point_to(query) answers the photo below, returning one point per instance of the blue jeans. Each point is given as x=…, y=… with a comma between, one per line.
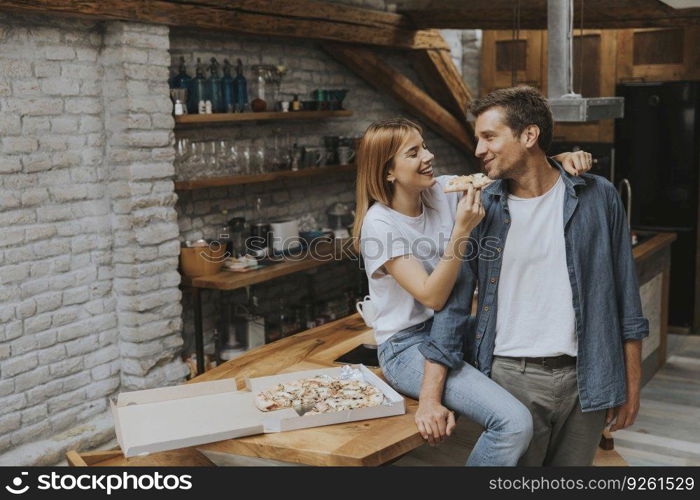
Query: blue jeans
x=507, y=422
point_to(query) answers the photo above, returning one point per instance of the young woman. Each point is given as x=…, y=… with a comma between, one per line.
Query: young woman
x=412, y=238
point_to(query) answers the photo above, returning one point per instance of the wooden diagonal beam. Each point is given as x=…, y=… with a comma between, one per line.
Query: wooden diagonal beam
x=437, y=71
x=378, y=74
x=204, y=15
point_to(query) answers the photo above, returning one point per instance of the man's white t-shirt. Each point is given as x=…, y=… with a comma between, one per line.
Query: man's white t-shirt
x=387, y=234
x=535, y=313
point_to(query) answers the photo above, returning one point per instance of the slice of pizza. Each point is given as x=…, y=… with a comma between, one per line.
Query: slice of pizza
x=461, y=182
x=266, y=402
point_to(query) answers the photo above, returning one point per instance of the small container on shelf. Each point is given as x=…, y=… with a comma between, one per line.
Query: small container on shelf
x=227, y=88
x=202, y=260
x=182, y=79
x=197, y=89
x=214, y=88
x=296, y=103
x=259, y=101
x=240, y=89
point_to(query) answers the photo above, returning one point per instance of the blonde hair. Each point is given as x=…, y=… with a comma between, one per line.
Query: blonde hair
x=375, y=154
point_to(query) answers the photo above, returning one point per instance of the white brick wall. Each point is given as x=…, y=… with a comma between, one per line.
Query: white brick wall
x=139, y=155
x=55, y=230
x=85, y=147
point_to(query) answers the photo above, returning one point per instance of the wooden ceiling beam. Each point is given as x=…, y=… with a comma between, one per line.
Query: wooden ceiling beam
x=254, y=17
x=367, y=65
x=311, y=9
x=499, y=14
x=438, y=72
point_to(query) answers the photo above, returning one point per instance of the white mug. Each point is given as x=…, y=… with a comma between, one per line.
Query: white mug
x=367, y=311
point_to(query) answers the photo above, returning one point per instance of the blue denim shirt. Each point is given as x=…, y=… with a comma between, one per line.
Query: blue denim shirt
x=604, y=287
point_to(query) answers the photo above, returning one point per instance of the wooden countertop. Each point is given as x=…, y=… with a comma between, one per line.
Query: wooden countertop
x=649, y=247
x=321, y=254
x=364, y=443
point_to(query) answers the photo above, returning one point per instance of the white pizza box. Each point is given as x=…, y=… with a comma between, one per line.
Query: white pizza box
x=287, y=419
x=168, y=418
x=187, y=415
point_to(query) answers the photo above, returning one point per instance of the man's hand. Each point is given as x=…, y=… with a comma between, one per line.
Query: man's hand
x=434, y=421
x=576, y=163
x=625, y=415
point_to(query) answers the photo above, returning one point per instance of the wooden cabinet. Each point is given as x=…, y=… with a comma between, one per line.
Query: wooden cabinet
x=605, y=58
x=658, y=54
x=505, y=61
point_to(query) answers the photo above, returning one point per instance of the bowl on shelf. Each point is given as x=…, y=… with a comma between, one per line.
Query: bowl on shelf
x=336, y=98
x=202, y=261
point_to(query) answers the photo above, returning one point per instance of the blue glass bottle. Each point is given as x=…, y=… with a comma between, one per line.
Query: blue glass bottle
x=182, y=79
x=227, y=88
x=240, y=89
x=198, y=89
x=214, y=87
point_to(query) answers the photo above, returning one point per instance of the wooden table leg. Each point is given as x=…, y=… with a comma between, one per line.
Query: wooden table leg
x=198, y=329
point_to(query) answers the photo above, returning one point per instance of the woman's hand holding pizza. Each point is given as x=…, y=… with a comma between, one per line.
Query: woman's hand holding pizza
x=470, y=210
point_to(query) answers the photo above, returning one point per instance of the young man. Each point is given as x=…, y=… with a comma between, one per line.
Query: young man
x=559, y=321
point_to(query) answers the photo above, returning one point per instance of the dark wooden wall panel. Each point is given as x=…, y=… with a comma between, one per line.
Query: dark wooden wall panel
x=659, y=47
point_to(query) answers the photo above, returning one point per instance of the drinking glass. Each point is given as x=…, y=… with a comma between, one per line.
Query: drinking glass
x=211, y=159
x=222, y=153
x=244, y=158
x=182, y=152
x=196, y=158
x=232, y=158
x=257, y=158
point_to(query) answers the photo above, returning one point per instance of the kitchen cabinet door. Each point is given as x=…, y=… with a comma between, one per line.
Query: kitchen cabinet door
x=505, y=61
x=654, y=54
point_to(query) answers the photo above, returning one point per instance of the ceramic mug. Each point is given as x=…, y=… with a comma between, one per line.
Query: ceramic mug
x=367, y=311
x=313, y=156
x=345, y=155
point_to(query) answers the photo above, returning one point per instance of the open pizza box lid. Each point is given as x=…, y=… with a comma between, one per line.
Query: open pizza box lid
x=168, y=418
x=187, y=415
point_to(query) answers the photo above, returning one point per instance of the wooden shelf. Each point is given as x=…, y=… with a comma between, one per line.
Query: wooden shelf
x=234, y=180
x=213, y=118
x=230, y=280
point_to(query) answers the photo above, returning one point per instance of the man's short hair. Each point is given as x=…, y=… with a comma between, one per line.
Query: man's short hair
x=523, y=106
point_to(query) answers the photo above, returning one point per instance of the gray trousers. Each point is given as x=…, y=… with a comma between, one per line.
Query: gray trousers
x=563, y=434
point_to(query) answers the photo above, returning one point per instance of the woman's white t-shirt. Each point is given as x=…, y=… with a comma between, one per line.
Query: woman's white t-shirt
x=387, y=234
